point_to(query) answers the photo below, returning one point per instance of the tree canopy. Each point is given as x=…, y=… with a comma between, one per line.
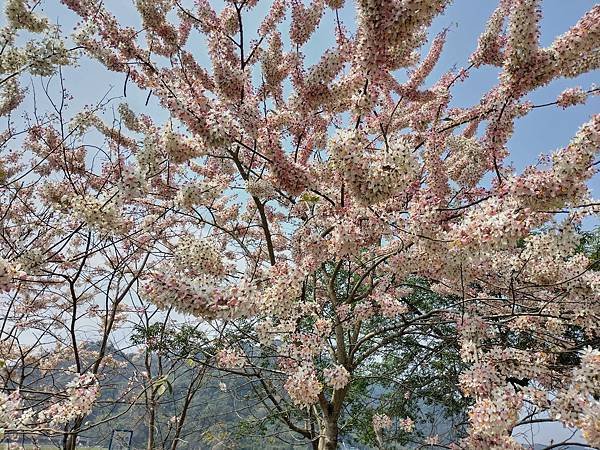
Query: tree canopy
x=332, y=238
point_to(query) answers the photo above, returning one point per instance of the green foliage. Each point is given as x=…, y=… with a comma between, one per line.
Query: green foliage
x=589, y=245
x=183, y=341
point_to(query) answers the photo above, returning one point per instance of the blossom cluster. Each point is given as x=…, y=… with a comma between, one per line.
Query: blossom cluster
x=176, y=147
x=194, y=297
x=8, y=273
x=82, y=392
x=389, y=31
x=373, y=177
x=230, y=359
x=12, y=413
x=491, y=41
x=200, y=193
x=337, y=377
x=101, y=215
x=19, y=15
x=571, y=97
x=198, y=256
x=407, y=424
x=381, y=422
x=303, y=386
x=467, y=162
x=11, y=97
x=390, y=306
x=577, y=404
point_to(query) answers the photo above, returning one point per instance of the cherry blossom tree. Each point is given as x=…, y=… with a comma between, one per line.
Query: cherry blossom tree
x=301, y=209
x=169, y=354
x=69, y=264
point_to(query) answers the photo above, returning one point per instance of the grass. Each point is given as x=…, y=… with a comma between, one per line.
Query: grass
x=51, y=447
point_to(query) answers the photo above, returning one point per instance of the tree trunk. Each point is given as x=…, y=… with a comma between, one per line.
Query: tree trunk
x=181, y=420
x=329, y=435
x=70, y=443
x=151, y=424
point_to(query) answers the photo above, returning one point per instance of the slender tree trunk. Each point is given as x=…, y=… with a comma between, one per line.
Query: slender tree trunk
x=65, y=437
x=191, y=392
x=151, y=423
x=150, y=402
x=181, y=420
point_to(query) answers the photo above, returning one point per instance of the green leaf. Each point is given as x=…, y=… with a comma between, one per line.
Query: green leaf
x=162, y=384
x=310, y=198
